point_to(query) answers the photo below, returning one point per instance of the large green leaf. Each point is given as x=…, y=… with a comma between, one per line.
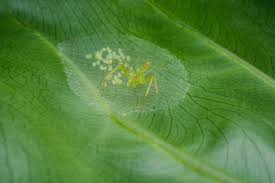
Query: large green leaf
x=212, y=121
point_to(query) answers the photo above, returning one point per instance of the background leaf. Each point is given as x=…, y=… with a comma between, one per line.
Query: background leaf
x=246, y=28
x=213, y=120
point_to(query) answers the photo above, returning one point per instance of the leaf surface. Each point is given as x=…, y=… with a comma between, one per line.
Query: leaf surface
x=212, y=120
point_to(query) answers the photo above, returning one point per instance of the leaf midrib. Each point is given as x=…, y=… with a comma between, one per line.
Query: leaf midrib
x=184, y=158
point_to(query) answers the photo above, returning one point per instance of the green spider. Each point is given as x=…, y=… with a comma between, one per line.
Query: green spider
x=135, y=77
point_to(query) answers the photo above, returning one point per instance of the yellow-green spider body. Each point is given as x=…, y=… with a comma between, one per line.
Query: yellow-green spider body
x=135, y=77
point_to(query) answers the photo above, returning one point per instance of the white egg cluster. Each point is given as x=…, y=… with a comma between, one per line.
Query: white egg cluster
x=107, y=60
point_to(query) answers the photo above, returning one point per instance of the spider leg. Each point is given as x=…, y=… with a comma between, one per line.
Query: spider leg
x=109, y=75
x=149, y=86
x=156, y=85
